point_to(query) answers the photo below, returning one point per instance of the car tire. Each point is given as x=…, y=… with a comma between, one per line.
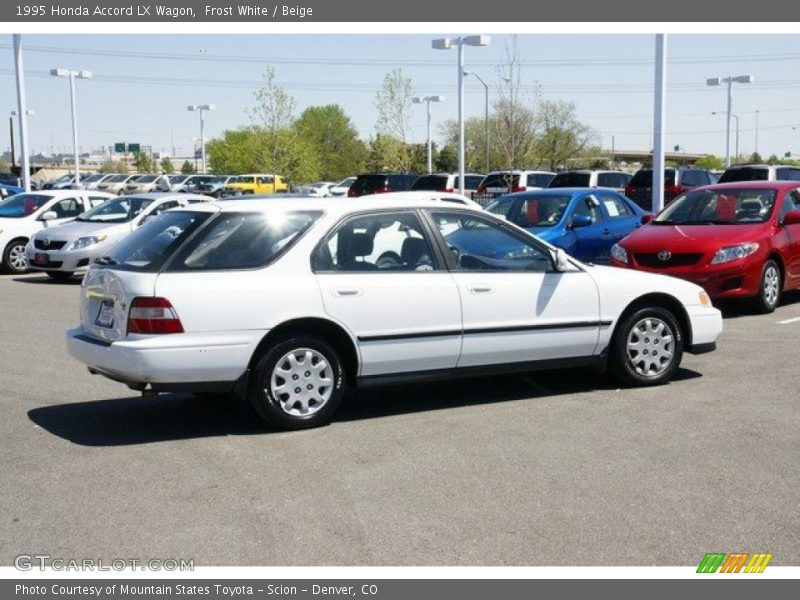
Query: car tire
x=14, y=260
x=647, y=347
x=290, y=387
x=59, y=275
x=769, y=288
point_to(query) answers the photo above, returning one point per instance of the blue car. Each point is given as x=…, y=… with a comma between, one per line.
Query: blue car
x=585, y=222
x=9, y=190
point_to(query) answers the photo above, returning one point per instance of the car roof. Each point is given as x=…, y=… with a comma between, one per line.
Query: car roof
x=166, y=196
x=336, y=205
x=570, y=191
x=751, y=185
x=518, y=172
x=58, y=193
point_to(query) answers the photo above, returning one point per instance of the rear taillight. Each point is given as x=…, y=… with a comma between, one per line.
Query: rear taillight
x=519, y=188
x=630, y=190
x=449, y=190
x=382, y=190
x=351, y=193
x=153, y=315
x=674, y=190
x=481, y=189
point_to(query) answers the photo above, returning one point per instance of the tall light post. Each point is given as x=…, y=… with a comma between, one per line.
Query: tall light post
x=485, y=115
x=659, y=121
x=427, y=100
x=446, y=44
x=71, y=75
x=201, y=108
x=14, y=113
x=717, y=81
x=735, y=116
x=755, y=150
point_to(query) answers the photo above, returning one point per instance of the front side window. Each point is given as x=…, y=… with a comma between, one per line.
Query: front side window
x=616, y=207
x=379, y=242
x=242, y=240
x=588, y=207
x=539, y=211
x=67, y=208
x=479, y=244
x=791, y=201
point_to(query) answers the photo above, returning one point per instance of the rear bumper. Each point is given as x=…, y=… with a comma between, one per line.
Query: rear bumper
x=187, y=361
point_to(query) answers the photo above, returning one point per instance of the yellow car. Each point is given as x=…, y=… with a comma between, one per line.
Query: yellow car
x=255, y=183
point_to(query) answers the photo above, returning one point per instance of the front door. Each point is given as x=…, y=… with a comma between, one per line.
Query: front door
x=516, y=307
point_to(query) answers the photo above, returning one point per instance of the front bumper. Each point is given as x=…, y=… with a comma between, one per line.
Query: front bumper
x=168, y=362
x=706, y=324
x=60, y=260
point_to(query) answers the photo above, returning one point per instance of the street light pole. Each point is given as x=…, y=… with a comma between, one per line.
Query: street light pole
x=427, y=100
x=659, y=110
x=735, y=116
x=202, y=108
x=485, y=116
x=716, y=81
x=446, y=44
x=23, y=113
x=755, y=151
x=72, y=75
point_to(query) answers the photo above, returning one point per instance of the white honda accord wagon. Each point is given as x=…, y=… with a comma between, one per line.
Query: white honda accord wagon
x=291, y=301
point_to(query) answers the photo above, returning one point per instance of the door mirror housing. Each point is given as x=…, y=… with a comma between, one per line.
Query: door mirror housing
x=562, y=263
x=50, y=215
x=579, y=221
x=791, y=218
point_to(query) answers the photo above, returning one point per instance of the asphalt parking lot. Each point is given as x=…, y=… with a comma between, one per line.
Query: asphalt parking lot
x=550, y=469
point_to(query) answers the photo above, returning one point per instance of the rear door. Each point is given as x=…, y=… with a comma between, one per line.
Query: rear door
x=591, y=241
x=791, y=251
x=378, y=274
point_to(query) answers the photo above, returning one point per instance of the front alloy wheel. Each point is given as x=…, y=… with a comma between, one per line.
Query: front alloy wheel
x=769, y=292
x=298, y=383
x=14, y=259
x=647, y=347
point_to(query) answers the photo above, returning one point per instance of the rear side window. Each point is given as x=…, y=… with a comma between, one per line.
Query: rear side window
x=243, y=241
x=147, y=248
x=434, y=183
x=541, y=180
x=500, y=180
x=367, y=184
x=745, y=174
x=570, y=180
x=788, y=174
x=693, y=178
x=471, y=182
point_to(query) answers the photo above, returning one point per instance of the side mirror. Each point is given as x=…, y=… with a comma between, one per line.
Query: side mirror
x=579, y=221
x=791, y=218
x=646, y=219
x=50, y=215
x=562, y=261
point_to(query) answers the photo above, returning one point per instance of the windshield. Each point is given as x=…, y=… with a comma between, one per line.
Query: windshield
x=176, y=179
x=723, y=207
x=433, y=183
x=146, y=178
x=531, y=211
x=92, y=178
x=22, y=205
x=116, y=179
x=120, y=210
x=644, y=178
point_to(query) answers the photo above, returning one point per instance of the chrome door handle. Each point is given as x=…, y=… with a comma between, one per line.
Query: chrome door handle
x=346, y=292
x=480, y=289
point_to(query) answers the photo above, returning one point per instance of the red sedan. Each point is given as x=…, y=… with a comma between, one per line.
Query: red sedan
x=736, y=240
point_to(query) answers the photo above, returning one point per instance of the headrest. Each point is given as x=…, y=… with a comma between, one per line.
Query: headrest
x=360, y=244
x=413, y=249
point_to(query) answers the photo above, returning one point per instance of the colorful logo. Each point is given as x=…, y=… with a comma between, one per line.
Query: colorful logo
x=734, y=562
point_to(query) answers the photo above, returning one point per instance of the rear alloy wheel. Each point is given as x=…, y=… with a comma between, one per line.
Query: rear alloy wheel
x=298, y=383
x=647, y=347
x=769, y=290
x=14, y=260
x=59, y=275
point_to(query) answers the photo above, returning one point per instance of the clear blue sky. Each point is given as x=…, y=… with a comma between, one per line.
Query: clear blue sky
x=136, y=97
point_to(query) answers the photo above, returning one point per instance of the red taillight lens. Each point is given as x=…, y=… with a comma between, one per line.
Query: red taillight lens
x=153, y=315
x=519, y=188
x=482, y=189
x=351, y=193
x=382, y=190
x=449, y=190
x=630, y=190
x=674, y=190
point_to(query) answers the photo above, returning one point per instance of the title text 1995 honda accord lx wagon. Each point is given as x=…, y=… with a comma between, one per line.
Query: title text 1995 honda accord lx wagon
x=289, y=301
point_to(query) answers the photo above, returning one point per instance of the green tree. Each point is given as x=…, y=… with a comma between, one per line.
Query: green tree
x=187, y=168
x=383, y=153
x=113, y=166
x=393, y=103
x=446, y=159
x=166, y=165
x=4, y=166
x=755, y=158
x=562, y=136
x=143, y=162
x=339, y=150
x=710, y=162
x=475, y=144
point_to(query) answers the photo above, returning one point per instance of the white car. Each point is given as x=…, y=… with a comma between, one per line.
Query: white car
x=117, y=183
x=341, y=188
x=23, y=215
x=148, y=183
x=275, y=299
x=498, y=183
x=90, y=182
x=60, y=251
x=318, y=189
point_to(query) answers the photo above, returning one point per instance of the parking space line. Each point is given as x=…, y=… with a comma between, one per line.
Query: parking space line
x=787, y=321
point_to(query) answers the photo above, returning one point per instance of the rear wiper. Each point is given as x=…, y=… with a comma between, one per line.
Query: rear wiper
x=106, y=260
